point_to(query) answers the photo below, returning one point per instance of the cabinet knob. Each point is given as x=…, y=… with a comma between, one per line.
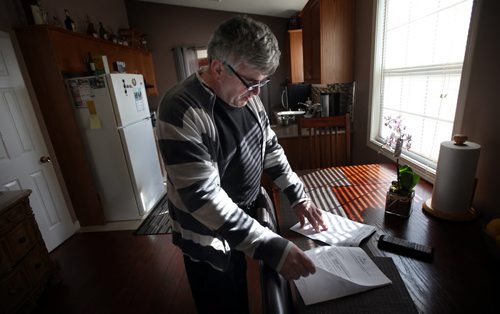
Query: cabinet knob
x=45, y=159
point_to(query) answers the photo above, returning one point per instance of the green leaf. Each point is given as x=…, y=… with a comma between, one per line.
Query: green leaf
x=407, y=178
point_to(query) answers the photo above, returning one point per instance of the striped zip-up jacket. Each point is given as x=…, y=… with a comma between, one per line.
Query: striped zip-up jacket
x=206, y=223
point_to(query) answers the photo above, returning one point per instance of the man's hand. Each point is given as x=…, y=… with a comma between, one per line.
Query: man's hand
x=309, y=210
x=297, y=264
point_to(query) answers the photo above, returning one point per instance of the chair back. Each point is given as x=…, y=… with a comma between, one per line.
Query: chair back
x=325, y=141
x=277, y=297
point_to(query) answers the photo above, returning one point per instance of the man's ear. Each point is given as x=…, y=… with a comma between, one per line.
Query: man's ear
x=216, y=68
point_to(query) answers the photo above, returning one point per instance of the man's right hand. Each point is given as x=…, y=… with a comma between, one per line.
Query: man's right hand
x=297, y=265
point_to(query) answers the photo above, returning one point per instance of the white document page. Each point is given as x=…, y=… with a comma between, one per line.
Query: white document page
x=340, y=271
x=341, y=231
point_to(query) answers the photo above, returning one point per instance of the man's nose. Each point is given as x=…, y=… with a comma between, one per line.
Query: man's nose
x=255, y=90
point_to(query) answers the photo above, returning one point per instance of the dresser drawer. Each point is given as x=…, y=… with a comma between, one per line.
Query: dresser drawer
x=37, y=265
x=21, y=239
x=5, y=261
x=25, y=265
x=13, y=289
x=12, y=217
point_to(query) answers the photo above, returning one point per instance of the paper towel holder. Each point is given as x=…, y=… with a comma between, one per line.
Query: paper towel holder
x=460, y=139
x=470, y=214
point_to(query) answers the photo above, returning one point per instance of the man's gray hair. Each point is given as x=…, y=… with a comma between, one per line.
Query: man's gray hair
x=242, y=39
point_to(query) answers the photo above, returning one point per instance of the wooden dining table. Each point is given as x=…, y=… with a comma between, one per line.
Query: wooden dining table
x=464, y=275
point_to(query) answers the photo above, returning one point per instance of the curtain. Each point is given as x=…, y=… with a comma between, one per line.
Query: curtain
x=186, y=61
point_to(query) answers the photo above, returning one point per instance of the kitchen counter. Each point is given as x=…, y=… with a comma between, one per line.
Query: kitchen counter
x=285, y=131
x=288, y=138
x=291, y=131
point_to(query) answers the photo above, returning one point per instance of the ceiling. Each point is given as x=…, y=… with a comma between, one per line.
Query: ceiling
x=278, y=8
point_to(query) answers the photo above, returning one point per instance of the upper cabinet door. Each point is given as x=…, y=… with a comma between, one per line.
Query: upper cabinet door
x=311, y=41
x=296, y=56
x=328, y=41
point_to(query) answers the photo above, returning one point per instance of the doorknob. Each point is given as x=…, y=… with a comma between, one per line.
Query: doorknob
x=45, y=159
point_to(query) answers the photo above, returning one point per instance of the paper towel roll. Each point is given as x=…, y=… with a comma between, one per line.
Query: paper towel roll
x=455, y=178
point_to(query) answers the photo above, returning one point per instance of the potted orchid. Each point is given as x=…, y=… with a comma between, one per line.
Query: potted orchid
x=401, y=192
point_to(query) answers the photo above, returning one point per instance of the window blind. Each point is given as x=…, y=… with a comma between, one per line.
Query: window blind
x=420, y=48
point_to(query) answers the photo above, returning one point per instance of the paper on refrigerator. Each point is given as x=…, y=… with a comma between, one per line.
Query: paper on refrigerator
x=341, y=231
x=340, y=271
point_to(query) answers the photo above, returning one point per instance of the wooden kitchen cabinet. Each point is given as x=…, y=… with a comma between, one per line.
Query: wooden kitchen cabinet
x=25, y=266
x=328, y=41
x=296, y=151
x=295, y=55
x=70, y=50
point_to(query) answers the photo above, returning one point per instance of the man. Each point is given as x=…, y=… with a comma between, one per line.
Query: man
x=216, y=141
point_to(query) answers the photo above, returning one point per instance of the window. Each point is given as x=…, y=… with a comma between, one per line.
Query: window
x=201, y=54
x=419, y=53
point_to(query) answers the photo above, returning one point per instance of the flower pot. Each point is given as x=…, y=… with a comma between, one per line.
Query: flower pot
x=397, y=204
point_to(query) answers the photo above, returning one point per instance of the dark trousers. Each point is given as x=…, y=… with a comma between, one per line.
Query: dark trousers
x=219, y=292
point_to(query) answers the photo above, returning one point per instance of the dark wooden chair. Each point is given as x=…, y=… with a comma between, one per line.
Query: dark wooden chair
x=325, y=141
x=277, y=298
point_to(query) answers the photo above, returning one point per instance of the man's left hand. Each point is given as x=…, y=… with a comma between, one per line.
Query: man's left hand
x=309, y=210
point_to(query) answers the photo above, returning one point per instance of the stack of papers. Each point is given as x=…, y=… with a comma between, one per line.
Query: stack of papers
x=343, y=268
x=340, y=271
x=341, y=231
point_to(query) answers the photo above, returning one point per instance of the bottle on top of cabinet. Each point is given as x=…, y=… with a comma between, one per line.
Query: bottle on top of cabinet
x=68, y=22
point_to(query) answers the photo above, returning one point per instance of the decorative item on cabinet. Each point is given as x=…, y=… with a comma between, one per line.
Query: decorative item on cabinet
x=68, y=22
x=91, y=64
x=34, y=12
x=101, y=64
x=56, y=21
x=134, y=38
x=25, y=266
x=91, y=31
x=120, y=67
x=39, y=14
x=103, y=33
x=294, y=22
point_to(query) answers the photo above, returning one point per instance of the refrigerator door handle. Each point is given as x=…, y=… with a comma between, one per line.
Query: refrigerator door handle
x=135, y=122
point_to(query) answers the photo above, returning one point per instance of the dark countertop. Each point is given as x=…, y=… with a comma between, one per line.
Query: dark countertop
x=9, y=199
x=285, y=131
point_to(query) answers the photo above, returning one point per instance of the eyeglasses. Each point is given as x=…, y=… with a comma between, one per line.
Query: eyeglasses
x=250, y=86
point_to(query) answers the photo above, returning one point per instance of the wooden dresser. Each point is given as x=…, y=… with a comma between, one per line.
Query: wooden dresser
x=25, y=266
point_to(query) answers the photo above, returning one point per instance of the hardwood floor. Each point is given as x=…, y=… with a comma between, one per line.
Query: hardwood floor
x=119, y=272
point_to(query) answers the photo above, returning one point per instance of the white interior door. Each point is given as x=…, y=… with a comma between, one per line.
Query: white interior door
x=24, y=158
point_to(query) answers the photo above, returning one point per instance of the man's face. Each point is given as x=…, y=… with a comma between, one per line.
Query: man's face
x=239, y=84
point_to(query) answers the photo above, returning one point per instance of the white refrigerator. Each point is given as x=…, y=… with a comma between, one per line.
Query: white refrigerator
x=113, y=114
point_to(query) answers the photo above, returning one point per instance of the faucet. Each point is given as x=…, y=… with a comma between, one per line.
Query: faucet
x=308, y=104
x=283, y=103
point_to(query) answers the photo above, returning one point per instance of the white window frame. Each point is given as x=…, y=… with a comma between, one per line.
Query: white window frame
x=427, y=170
